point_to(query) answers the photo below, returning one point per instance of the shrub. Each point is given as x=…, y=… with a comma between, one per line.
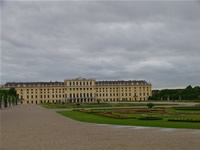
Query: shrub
x=150, y=105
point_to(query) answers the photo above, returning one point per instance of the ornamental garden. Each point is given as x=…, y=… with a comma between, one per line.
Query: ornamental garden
x=130, y=114
x=157, y=117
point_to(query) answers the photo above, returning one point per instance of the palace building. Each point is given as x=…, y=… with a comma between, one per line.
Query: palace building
x=81, y=90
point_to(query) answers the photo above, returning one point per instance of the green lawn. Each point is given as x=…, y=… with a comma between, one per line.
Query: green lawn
x=94, y=117
x=95, y=105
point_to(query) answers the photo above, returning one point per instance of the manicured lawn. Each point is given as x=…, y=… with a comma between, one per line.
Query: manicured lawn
x=93, y=116
x=91, y=105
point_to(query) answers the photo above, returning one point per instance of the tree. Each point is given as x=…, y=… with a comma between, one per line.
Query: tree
x=12, y=91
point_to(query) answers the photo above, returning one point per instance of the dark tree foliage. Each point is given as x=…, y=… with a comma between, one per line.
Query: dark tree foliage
x=189, y=93
x=8, y=94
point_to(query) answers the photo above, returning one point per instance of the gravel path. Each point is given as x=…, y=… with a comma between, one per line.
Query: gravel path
x=31, y=127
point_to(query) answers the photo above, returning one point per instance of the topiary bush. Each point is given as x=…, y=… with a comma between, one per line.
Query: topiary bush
x=150, y=105
x=78, y=104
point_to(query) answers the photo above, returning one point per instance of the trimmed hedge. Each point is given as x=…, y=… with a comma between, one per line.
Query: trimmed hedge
x=150, y=118
x=188, y=108
x=184, y=120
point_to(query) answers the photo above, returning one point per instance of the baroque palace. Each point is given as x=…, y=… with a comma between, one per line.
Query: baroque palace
x=81, y=90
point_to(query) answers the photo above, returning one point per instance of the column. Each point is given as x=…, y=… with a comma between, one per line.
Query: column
x=2, y=102
x=11, y=101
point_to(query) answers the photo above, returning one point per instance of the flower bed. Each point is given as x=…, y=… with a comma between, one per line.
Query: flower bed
x=111, y=115
x=184, y=120
x=138, y=111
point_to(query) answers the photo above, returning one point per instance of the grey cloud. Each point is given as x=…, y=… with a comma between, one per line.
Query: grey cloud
x=155, y=41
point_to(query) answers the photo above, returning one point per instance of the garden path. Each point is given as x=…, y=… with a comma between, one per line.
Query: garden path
x=32, y=127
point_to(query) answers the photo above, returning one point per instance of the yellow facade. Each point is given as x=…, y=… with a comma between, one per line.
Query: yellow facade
x=81, y=90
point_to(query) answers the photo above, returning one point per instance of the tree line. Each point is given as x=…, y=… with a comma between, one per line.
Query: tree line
x=189, y=93
x=8, y=97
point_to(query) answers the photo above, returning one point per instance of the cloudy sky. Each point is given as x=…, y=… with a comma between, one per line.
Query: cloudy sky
x=151, y=40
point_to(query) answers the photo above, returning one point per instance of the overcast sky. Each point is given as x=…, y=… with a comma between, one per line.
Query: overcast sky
x=50, y=41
